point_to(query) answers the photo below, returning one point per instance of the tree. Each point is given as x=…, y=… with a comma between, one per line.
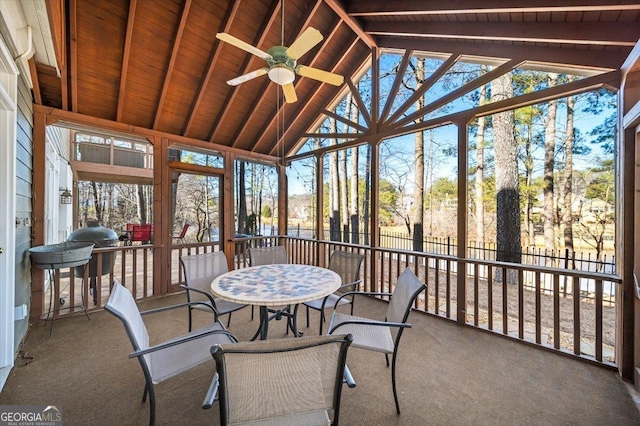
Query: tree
x=418, y=186
x=479, y=180
x=549, y=157
x=567, y=216
x=506, y=172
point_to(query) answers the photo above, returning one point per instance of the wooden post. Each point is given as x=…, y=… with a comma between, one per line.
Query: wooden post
x=228, y=231
x=319, y=204
x=462, y=223
x=375, y=217
x=161, y=217
x=37, y=231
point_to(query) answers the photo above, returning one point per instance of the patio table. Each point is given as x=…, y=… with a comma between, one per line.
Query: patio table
x=275, y=285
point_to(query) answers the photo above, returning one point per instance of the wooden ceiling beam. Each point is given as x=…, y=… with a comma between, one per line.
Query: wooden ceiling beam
x=345, y=120
x=73, y=60
x=312, y=102
x=261, y=35
x=54, y=115
x=37, y=96
x=587, y=33
x=460, y=91
x=213, y=59
x=402, y=68
x=125, y=57
x=352, y=23
x=571, y=58
x=461, y=7
x=263, y=93
x=325, y=44
x=426, y=84
x=333, y=100
x=172, y=61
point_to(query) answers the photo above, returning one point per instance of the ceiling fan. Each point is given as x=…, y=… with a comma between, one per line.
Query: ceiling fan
x=282, y=67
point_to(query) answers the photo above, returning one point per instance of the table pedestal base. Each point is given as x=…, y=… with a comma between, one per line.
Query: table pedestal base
x=292, y=322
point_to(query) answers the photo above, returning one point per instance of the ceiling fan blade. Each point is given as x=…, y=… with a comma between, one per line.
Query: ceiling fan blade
x=309, y=38
x=289, y=93
x=242, y=45
x=320, y=75
x=248, y=76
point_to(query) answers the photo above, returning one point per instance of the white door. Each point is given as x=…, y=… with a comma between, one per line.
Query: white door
x=8, y=92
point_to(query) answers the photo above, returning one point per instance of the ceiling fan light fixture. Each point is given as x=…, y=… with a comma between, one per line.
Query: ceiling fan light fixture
x=281, y=75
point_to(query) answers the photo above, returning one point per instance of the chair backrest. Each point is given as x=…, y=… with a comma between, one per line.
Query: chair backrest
x=142, y=232
x=407, y=289
x=185, y=227
x=201, y=269
x=280, y=377
x=347, y=265
x=268, y=255
x=122, y=304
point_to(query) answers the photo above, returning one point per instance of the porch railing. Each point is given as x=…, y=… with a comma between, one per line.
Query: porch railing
x=564, y=310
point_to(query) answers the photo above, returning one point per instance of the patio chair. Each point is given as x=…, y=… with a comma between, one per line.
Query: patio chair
x=280, y=381
x=347, y=265
x=180, y=237
x=382, y=336
x=164, y=360
x=199, y=271
x=269, y=256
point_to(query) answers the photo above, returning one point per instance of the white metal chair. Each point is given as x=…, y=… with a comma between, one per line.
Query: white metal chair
x=280, y=381
x=164, y=360
x=382, y=336
x=199, y=271
x=347, y=265
x=269, y=256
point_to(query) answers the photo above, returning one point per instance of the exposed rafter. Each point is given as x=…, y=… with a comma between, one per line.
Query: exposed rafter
x=172, y=61
x=245, y=67
x=73, y=60
x=402, y=68
x=466, y=88
x=125, y=58
x=595, y=59
x=323, y=47
x=607, y=33
x=463, y=7
x=228, y=20
x=259, y=102
x=345, y=120
x=316, y=92
x=426, y=84
x=352, y=23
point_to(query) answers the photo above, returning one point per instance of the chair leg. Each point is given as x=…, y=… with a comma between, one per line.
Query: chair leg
x=393, y=383
x=321, y=321
x=190, y=318
x=386, y=357
x=307, y=317
x=152, y=406
x=252, y=312
x=229, y=320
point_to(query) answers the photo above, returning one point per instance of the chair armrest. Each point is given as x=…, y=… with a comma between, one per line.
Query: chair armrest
x=212, y=393
x=186, y=287
x=359, y=293
x=179, y=305
x=181, y=340
x=372, y=322
x=351, y=284
x=348, y=378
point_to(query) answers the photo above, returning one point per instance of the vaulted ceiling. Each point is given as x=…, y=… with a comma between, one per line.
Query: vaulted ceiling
x=157, y=64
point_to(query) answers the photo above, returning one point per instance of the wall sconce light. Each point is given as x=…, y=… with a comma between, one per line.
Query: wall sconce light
x=65, y=196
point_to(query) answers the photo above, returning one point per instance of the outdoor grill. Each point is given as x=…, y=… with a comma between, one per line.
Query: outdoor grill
x=101, y=237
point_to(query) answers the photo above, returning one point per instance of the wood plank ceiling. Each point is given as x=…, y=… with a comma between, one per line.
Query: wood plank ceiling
x=157, y=64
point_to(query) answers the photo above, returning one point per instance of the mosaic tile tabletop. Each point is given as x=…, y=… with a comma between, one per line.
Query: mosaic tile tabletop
x=274, y=285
